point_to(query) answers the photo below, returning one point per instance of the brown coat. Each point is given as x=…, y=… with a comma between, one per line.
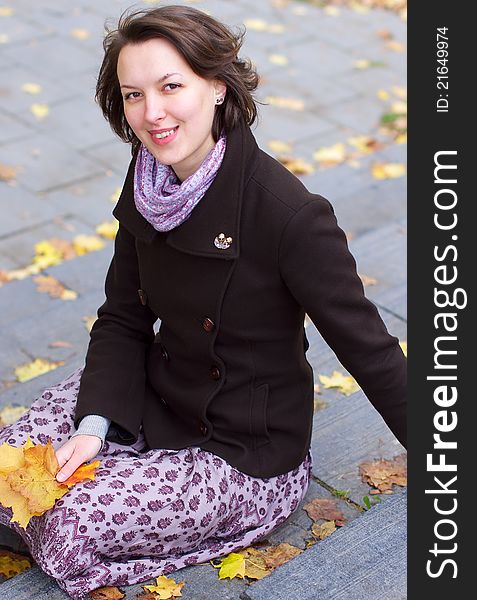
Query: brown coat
x=227, y=370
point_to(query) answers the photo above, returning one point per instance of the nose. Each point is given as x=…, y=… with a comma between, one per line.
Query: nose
x=155, y=108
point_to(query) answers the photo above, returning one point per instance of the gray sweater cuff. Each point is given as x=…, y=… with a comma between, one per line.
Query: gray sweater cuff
x=94, y=425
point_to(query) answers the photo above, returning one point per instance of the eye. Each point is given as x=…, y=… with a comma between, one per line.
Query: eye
x=127, y=96
x=176, y=85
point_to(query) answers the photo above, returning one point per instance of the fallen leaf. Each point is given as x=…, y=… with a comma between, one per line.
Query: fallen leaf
x=396, y=46
x=345, y=384
x=165, y=588
x=399, y=91
x=296, y=165
x=106, y=593
x=365, y=63
x=49, y=285
x=367, y=281
x=35, y=368
x=278, y=59
x=399, y=108
x=278, y=555
x=31, y=88
x=364, y=144
x=331, y=11
x=331, y=155
x=383, y=95
x=28, y=482
x=89, y=321
x=10, y=414
x=232, y=565
x=12, y=564
x=40, y=110
x=326, y=509
x=278, y=146
x=108, y=229
x=403, y=347
x=388, y=170
x=283, y=102
x=87, y=243
x=324, y=530
x=7, y=173
x=60, y=344
x=261, y=25
x=47, y=255
x=6, y=11
x=80, y=34
x=115, y=195
x=384, y=34
x=382, y=474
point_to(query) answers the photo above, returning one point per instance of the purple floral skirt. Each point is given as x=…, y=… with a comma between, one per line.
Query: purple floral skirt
x=148, y=512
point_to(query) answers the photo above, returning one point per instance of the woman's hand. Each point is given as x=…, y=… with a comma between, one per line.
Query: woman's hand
x=76, y=451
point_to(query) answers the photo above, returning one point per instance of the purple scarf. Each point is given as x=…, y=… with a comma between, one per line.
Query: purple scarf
x=159, y=196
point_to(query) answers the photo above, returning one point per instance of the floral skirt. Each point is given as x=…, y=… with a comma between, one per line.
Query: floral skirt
x=148, y=512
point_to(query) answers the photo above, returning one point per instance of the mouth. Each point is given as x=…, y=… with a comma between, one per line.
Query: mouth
x=164, y=136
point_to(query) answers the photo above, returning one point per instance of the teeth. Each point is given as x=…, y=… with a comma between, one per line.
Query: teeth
x=164, y=134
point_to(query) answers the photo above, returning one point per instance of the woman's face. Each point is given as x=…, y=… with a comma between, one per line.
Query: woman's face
x=161, y=94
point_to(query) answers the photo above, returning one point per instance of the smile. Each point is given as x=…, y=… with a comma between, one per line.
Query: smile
x=164, y=137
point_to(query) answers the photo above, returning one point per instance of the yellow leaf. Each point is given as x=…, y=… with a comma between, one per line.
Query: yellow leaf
x=399, y=91
x=7, y=173
x=331, y=11
x=362, y=64
x=401, y=138
x=233, y=565
x=368, y=280
x=331, y=155
x=40, y=110
x=10, y=414
x=80, y=34
x=88, y=322
x=47, y=255
x=403, y=347
x=278, y=59
x=165, y=588
x=388, y=170
x=31, y=88
x=50, y=285
x=37, y=367
x=297, y=165
x=108, y=230
x=364, y=144
x=256, y=24
x=399, y=107
x=12, y=564
x=396, y=46
x=115, y=195
x=383, y=95
x=278, y=146
x=281, y=102
x=87, y=243
x=6, y=11
x=28, y=482
x=324, y=530
x=345, y=384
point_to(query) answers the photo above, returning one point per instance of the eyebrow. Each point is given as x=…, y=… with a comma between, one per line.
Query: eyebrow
x=166, y=76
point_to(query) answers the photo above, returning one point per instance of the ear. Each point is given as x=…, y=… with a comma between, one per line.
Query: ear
x=220, y=88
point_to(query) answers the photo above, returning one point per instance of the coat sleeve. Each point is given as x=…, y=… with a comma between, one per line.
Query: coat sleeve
x=320, y=272
x=113, y=381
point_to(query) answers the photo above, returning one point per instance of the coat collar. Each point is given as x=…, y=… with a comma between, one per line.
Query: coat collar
x=217, y=212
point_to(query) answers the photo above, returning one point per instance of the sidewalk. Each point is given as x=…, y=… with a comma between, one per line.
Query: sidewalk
x=69, y=168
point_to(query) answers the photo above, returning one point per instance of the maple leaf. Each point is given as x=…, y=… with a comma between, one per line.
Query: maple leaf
x=165, y=588
x=324, y=530
x=345, y=384
x=106, y=593
x=296, y=165
x=331, y=155
x=108, y=229
x=233, y=565
x=278, y=555
x=388, y=170
x=12, y=564
x=51, y=286
x=28, y=482
x=291, y=103
x=87, y=243
x=382, y=474
x=326, y=509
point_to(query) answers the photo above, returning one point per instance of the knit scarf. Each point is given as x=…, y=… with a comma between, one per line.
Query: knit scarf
x=161, y=198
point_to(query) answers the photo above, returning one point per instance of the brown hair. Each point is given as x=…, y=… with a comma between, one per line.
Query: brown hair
x=209, y=47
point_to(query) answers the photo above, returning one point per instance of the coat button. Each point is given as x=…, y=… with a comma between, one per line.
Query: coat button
x=164, y=353
x=208, y=324
x=142, y=297
x=215, y=373
x=203, y=428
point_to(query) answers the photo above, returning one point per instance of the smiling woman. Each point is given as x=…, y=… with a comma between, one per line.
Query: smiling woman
x=203, y=428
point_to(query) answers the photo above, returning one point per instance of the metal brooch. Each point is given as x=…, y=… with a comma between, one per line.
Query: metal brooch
x=222, y=242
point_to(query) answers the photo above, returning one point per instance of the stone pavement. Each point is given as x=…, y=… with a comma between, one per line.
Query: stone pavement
x=70, y=165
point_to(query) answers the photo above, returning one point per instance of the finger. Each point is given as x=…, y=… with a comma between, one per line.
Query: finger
x=64, y=454
x=69, y=468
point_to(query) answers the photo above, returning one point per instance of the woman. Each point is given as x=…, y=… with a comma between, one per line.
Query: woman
x=203, y=429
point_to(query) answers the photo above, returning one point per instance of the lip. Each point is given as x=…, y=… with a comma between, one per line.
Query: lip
x=166, y=140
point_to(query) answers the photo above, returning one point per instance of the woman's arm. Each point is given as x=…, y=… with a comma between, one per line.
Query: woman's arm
x=319, y=270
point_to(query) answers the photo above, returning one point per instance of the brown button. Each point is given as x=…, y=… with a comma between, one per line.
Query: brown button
x=203, y=428
x=142, y=297
x=215, y=373
x=208, y=324
x=164, y=353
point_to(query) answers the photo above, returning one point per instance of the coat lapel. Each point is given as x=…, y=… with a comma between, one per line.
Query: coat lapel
x=218, y=212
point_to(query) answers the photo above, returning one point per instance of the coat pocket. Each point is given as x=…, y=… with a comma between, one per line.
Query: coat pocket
x=258, y=415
